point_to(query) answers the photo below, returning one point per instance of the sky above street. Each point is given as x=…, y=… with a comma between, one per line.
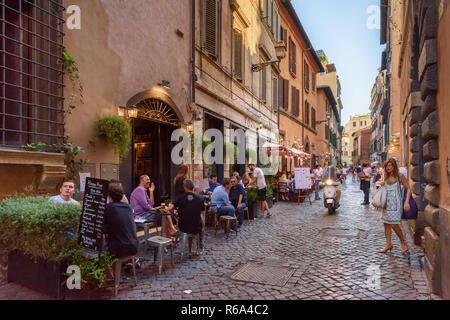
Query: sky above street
x=341, y=29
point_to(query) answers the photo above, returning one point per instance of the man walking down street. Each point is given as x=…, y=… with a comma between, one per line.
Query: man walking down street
x=259, y=179
x=365, y=176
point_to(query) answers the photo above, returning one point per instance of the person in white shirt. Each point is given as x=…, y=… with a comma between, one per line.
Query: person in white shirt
x=66, y=191
x=318, y=174
x=258, y=178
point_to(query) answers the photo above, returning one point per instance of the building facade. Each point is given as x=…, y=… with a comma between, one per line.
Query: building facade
x=207, y=80
x=361, y=146
x=298, y=101
x=356, y=123
x=376, y=129
x=421, y=77
x=329, y=80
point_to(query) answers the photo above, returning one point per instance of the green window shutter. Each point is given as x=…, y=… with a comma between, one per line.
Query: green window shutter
x=211, y=16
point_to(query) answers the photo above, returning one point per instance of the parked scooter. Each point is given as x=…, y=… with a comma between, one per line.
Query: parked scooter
x=330, y=191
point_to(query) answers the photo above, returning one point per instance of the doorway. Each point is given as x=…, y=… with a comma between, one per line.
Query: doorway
x=212, y=122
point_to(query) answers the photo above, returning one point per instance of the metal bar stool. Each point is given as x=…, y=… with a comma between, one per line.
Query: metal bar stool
x=160, y=243
x=189, y=237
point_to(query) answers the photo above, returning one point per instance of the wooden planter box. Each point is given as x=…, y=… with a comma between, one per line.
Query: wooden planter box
x=36, y=273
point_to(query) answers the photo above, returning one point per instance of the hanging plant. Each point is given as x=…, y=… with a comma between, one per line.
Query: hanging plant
x=117, y=133
x=251, y=155
x=71, y=69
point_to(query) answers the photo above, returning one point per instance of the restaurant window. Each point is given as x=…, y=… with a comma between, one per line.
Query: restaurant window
x=31, y=75
x=211, y=27
x=238, y=56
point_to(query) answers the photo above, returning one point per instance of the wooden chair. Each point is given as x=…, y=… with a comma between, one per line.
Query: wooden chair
x=227, y=220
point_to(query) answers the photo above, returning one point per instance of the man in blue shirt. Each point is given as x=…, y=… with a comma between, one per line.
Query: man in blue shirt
x=238, y=198
x=221, y=202
x=212, y=185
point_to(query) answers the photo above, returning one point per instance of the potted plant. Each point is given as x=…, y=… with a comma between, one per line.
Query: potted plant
x=252, y=198
x=41, y=238
x=117, y=133
x=269, y=195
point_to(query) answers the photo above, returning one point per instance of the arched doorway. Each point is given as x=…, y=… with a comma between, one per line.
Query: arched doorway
x=151, y=146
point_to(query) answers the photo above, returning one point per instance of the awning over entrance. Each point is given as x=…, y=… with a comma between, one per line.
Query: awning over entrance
x=268, y=146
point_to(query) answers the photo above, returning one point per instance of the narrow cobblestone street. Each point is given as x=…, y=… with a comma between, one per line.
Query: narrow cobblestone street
x=326, y=256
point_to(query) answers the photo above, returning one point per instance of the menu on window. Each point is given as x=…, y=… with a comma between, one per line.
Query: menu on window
x=93, y=214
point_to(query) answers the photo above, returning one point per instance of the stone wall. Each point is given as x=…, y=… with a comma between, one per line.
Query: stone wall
x=424, y=127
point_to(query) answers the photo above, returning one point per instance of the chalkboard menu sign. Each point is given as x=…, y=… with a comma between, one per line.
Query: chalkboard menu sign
x=93, y=213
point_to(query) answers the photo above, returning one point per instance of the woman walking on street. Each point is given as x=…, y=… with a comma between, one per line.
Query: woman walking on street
x=392, y=214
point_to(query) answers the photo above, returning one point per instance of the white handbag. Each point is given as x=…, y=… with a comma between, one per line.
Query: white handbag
x=379, y=198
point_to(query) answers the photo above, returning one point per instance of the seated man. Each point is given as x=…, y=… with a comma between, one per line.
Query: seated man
x=66, y=191
x=189, y=207
x=142, y=204
x=220, y=201
x=119, y=222
x=238, y=198
x=212, y=185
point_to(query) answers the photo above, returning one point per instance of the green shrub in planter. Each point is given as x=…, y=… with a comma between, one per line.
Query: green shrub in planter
x=36, y=226
x=252, y=195
x=39, y=228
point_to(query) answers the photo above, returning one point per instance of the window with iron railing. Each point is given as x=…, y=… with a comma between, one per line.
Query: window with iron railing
x=31, y=75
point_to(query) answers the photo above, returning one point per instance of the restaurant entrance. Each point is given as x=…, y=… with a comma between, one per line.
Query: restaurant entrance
x=150, y=149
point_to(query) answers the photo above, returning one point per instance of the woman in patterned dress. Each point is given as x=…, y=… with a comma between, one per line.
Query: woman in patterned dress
x=392, y=214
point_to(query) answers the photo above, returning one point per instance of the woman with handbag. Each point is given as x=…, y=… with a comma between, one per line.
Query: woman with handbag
x=391, y=215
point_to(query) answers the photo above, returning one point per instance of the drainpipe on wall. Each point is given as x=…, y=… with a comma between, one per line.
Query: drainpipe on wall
x=193, y=76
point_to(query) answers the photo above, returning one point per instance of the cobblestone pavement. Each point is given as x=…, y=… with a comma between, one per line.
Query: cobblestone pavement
x=328, y=256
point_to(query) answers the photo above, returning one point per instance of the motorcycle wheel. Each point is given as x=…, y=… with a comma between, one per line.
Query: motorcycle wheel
x=330, y=209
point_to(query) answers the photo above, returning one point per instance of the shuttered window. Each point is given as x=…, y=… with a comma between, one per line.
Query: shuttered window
x=306, y=75
x=313, y=82
x=293, y=96
x=313, y=118
x=274, y=93
x=280, y=91
x=295, y=109
x=307, y=112
x=211, y=24
x=286, y=94
x=292, y=57
x=238, y=55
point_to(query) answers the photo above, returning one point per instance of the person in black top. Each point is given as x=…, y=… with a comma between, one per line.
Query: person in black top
x=179, y=180
x=190, y=207
x=120, y=226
